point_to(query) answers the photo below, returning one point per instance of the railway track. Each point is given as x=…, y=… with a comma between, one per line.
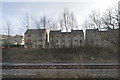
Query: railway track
x=60, y=66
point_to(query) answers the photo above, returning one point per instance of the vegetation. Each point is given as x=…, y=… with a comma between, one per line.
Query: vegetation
x=60, y=74
x=78, y=54
x=10, y=45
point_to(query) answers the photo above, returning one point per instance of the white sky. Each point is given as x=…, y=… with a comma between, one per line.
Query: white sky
x=14, y=12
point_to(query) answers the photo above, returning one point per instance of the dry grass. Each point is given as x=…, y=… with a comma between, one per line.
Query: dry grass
x=101, y=54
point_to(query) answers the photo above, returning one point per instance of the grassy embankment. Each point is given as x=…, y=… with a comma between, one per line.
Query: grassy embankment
x=79, y=54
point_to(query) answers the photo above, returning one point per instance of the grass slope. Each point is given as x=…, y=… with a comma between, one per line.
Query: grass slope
x=78, y=54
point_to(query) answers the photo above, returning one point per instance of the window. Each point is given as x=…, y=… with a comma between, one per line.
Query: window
x=40, y=35
x=75, y=40
x=29, y=40
x=75, y=35
x=69, y=40
x=29, y=35
x=119, y=12
x=57, y=46
x=63, y=45
x=34, y=40
x=80, y=41
x=57, y=40
x=63, y=41
x=57, y=36
x=52, y=36
x=41, y=40
x=40, y=46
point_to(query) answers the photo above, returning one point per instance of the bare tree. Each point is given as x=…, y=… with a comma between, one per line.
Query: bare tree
x=67, y=20
x=26, y=21
x=42, y=22
x=37, y=23
x=73, y=21
x=96, y=19
x=7, y=29
x=110, y=21
x=61, y=24
x=53, y=25
x=93, y=21
x=110, y=18
x=87, y=24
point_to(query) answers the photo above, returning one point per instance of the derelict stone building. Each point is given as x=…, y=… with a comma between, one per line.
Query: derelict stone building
x=77, y=37
x=35, y=38
x=38, y=37
x=58, y=39
x=55, y=39
x=101, y=38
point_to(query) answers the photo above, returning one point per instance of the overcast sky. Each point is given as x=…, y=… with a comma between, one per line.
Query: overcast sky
x=15, y=11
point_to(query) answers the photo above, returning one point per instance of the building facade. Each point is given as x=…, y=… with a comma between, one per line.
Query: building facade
x=58, y=39
x=55, y=39
x=38, y=38
x=66, y=40
x=77, y=37
x=35, y=38
x=101, y=38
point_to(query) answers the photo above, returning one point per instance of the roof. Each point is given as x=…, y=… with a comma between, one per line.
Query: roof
x=18, y=36
x=66, y=33
x=54, y=32
x=91, y=29
x=35, y=31
x=77, y=31
x=102, y=31
x=113, y=30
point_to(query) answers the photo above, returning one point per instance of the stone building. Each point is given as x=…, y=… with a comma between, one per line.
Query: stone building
x=58, y=39
x=101, y=38
x=35, y=38
x=77, y=37
x=55, y=39
x=91, y=36
x=66, y=40
x=38, y=37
